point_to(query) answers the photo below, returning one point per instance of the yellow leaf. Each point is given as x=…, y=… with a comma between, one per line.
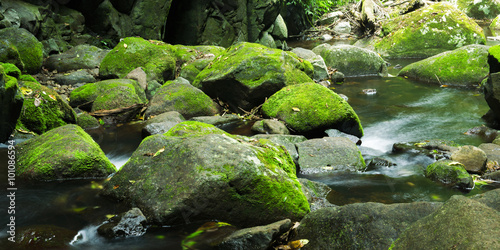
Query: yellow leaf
x=131, y=181
x=296, y=109
x=109, y=216
x=159, y=151
x=298, y=243
x=52, y=97
x=26, y=91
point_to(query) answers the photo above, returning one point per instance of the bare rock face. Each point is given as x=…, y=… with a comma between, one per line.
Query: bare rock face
x=473, y=158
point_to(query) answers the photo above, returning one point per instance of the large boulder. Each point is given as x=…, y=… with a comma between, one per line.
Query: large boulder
x=247, y=73
x=450, y=173
x=428, y=31
x=115, y=19
x=352, y=60
x=492, y=86
x=196, y=171
x=110, y=95
x=223, y=23
x=154, y=57
x=193, y=59
x=460, y=223
x=479, y=9
x=79, y=57
x=472, y=158
x=21, y=14
x=11, y=101
x=63, y=153
x=311, y=109
x=43, y=109
x=465, y=67
x=21, y=48
x=179, y=95
x=360, y=225
x=329, y=154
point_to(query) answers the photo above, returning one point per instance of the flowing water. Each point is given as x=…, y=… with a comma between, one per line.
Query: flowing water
x=400, y=111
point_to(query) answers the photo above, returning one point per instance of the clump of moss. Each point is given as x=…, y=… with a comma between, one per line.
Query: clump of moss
x=450, y=173
x=194, y=128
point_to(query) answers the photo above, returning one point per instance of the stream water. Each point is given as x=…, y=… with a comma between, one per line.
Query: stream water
x=400, y=111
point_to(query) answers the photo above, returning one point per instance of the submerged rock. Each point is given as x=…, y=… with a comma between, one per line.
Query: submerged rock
x=428, y=31
x=180, y=96
x=154, y=57
x=352, y=60
x=360, y=225
x=436, y=149
x=247, y=73
x=310, y=108
x=450, y=173
x=463, y=67
x=63, y=153
x=41, y=237
x=329, y=154
x=316, y=193
x=461, y=222
x=259, y=237
x=197, y=172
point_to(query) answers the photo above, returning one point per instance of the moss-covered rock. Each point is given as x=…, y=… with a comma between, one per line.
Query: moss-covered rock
x=311, y=109
x=63, y=153
x=11, y=70
x=495, y=26
x=194, y=128
x=352, y=60
x=86, y=121
x=193, y=59
x=79, y=57
x=108, y=95
x=154, y=57
x=465, y=67
x=180, y=96
x=427, y=32
x=361, y=225
x=11, y=101
x=21, y=48
x=479, y=9
x=41, y=237
x=450, y=173
x=247, y=73
x=200, y=175
x=436, y=149
x=43, y=109
x=460, y=223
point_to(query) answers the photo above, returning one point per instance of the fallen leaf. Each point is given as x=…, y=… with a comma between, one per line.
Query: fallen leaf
x=26, y=91
x=37, y=102
x=109, y=216
x=52, y=97
x=131, y=181
x=125, y=45
x=159, y=151
x=296, y=109
x=115, y=186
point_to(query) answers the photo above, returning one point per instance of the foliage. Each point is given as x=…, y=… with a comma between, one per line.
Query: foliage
x=316, y=8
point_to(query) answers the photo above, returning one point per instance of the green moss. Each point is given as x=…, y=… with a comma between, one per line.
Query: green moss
x=86, y=121
x=11, y=70
x=308, y=107
x=27, y=78
x=428, y=31
x=194, y=128
x=450, y=173
x=156, y=59
x=495, y=52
